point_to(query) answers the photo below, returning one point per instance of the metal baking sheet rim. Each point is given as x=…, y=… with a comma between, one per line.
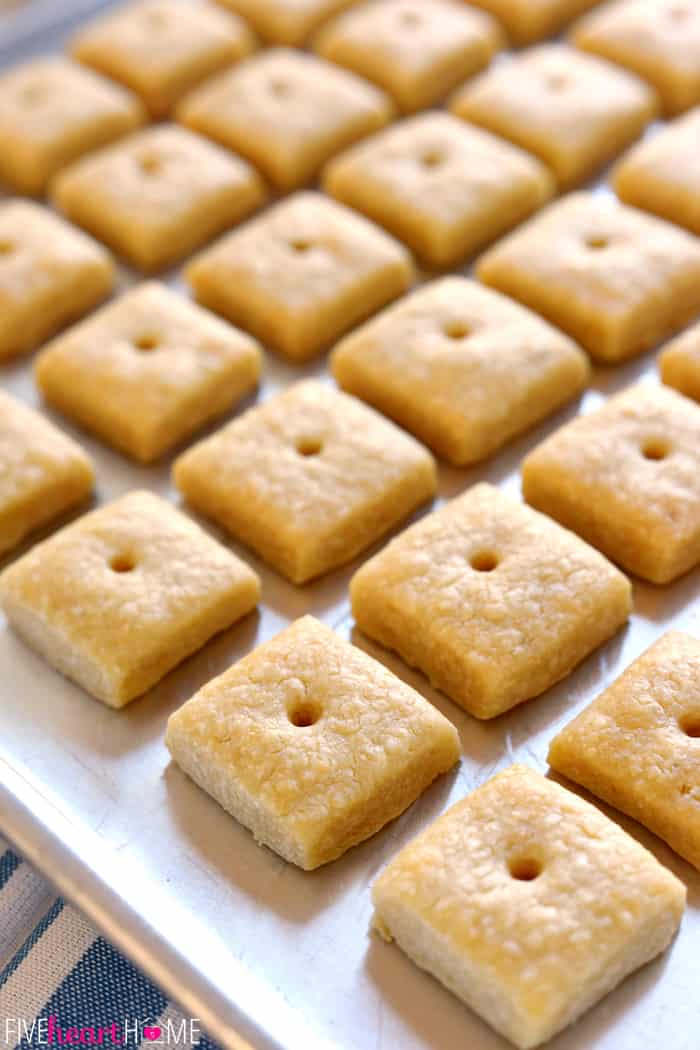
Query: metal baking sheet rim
x=49, y=841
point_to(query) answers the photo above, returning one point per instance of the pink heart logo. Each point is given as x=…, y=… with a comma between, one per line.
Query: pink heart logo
x=151, y=1033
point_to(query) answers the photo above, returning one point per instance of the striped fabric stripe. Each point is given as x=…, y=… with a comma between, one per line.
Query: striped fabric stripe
x=54, y=964
x=23, y=952
x=24, y=899
x=9, y=862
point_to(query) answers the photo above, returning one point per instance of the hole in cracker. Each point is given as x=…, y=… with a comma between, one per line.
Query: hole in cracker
x=556, y=81
x=32, y=93
x=597, y=242
x=690, y=724
x=304, y=713
x=156, y=19
x=146, y=343
x=300, y=245
x=655, y=448
x=456, y=330
x=122, y=563
x=410, y=19
x=309, y=446
x=6, y=247
x=280, y=88
x=432, y=158
x=484, y=561
x=525, y=868
x=150, y=163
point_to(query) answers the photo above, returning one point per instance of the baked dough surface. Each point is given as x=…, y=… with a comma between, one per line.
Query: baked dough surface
x=286, y=111
x=461, y=367
x=286, y=21
x=640, y=505
x=492, y=601
x=311, y=744
x=148, y=370
x=636, y=746
x=417, y=52
x=617, y=280
x=120, y=597
x=679, y=363
x=50, y=274
x=574, y=111
x=528, y=903
x=163, y=48
x=662, y=174
x=42, y=472
x=658, y=39
x=301, y=274
x=51, y=112
x=158, y=195
x=308, y=479
x=527, y=21
x=443, y=187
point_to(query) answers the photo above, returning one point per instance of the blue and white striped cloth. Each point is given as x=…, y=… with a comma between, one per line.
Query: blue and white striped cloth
x=54, y=964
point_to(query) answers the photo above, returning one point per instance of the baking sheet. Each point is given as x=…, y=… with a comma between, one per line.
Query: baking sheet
x=261, y=953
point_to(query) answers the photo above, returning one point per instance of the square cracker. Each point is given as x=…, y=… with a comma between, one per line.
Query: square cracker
x=444, y=188
x=662, y=174
x=416, y=51
x=287, y=112
x=163, y=48
x=158, y=195
x=50, y=274
x=627, y=479
x=461, y=367
x=308, y=479
x=42, y=472
x=123, y=595
x=527, y=903
x=51, y=112
x=148, y=370
x=526, y=21
x=311, y=744
x=492, y=601
x=575, y=112
x=637, y=745
x=286, y=21
x=658, y=39
x=301, y=274
x=617, y=280
x=679, y=363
